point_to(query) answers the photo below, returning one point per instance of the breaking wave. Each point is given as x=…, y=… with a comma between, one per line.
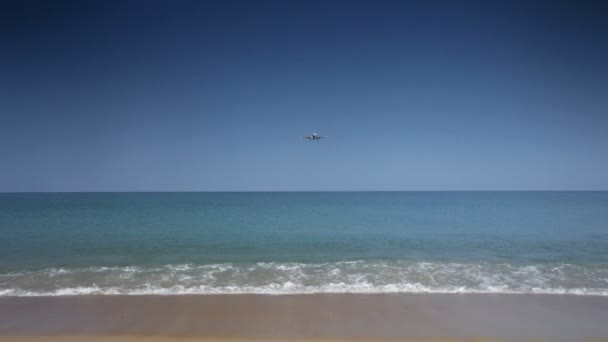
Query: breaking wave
x=301, y=278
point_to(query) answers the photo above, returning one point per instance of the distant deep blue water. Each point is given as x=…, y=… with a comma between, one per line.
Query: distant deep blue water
x=303, y=242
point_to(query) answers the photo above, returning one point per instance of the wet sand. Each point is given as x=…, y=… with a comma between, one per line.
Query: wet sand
x=410, y=317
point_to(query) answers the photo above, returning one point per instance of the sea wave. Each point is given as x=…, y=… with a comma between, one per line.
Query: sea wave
x=308, y=278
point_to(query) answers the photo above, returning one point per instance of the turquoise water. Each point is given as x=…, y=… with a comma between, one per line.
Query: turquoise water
x=303, y=242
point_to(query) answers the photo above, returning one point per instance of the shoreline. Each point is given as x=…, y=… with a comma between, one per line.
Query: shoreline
x=294, y=278
x=301, y=294
x=410, y=317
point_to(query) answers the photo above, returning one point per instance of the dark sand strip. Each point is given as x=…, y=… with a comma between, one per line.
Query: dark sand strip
x=320, y=316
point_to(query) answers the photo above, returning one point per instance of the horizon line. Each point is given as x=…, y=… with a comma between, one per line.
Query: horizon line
x=286, y=191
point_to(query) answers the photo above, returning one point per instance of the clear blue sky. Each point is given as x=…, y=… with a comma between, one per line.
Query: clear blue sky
x=206, y=96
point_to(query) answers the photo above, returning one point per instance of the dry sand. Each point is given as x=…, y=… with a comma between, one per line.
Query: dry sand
x=202, y=339
x=330, y=317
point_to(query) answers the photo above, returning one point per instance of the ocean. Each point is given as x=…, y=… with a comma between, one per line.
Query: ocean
x=54, y=244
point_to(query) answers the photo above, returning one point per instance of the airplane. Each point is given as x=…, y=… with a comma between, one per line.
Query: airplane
x=313, y=137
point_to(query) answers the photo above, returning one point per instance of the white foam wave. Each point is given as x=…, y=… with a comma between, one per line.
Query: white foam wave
x=298, y=278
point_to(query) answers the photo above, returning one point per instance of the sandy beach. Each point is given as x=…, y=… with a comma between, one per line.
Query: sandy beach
x=409, y=317
x=199, y=339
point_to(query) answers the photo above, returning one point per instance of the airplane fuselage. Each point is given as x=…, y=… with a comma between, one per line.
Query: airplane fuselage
x=313, y=137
